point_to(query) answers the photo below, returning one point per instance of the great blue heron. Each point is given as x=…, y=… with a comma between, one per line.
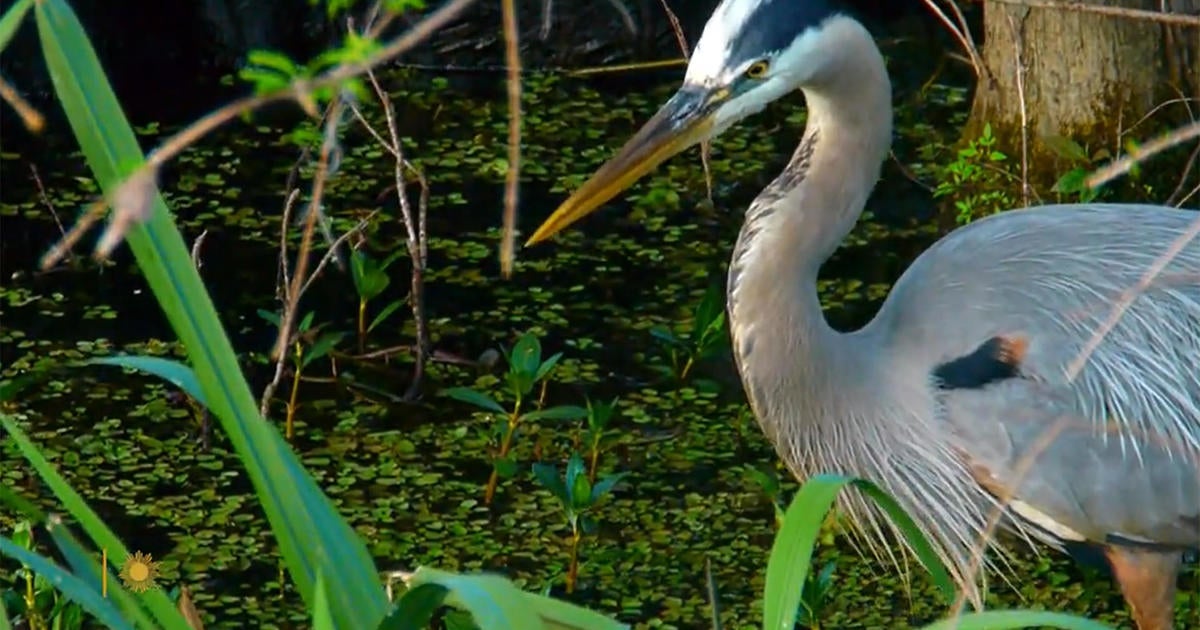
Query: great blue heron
x=972, y=356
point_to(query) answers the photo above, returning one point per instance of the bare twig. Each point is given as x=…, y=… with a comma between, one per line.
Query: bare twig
x=196, y=246
x=282, y=293
x=1121, y=166
x=1177, y=197
x=415, y=226
x=1019, y=45
x=617, y=5
x=961, y=31
x=45, y=199
x=312, y=215
x=1179, y=19
x=300, y=91
x=512, y=178
x=705, y=146
x=30, y=117
x=331, y=253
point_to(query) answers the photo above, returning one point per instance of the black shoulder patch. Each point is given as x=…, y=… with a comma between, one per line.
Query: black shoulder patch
x=994, y=360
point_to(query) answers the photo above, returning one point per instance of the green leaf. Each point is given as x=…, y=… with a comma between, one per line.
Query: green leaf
x=1072, y=181
x=321, y=347
x=605, y=485
x=12, y=20
x=492, y=600
x=561, y=412
x=375, y=283
x=272, y=60
x=526, y=356
x=472, y=397
x=306, y=322
x=600, y=413
x=359, y=262
x=506, y=467
x=270, y=317
x=559, y=615
x=309, y=531
x=5, y=622
x=1066, y=148
x=520, y=383
x=387, y=262
x=384, y=314
x=791, y=554
x=415, y=608
x=664, y=334
x=89, y=598
x=1014, y=619
x=711, y=306
x=156, y=601
x=578, y=486
x=547, y=366
x=547, y=475
x=172, y=371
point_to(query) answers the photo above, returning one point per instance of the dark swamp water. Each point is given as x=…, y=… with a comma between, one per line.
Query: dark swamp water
x=409, y=476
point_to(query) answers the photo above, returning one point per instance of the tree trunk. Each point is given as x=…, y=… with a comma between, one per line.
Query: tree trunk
x=1086, y=77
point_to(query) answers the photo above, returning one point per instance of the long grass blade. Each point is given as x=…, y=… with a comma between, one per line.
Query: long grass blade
x=157, y=602
x=1015, y=619
x=322, y=617
x=5, y=622
x=557, y=614
x=310, y=532
x=791, y=554
x=415, y=608
x=77, y=590
x=84, y=566
x=493, y=601
x=12, y=20
x=174, y=372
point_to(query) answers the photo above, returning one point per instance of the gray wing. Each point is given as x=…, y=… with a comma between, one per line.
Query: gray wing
x=1045, y=280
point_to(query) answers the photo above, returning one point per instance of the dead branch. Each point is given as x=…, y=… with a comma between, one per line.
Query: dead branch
x=1121, y=166
x=512, y=178
x=961, y=31
x=300, y=91
x=30, y=117
x=45, y=199
x=705, y=146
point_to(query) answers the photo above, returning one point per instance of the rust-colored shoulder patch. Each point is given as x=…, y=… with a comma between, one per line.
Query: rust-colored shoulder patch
x=994, y=360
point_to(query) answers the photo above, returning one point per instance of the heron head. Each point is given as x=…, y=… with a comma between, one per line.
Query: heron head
x=752, y=52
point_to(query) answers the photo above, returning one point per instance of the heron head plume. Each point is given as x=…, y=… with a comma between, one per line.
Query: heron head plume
x=751, y=53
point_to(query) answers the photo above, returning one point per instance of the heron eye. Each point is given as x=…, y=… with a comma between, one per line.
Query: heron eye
x=758, y=69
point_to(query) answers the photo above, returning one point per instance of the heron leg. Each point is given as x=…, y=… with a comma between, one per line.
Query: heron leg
x=1147, y=579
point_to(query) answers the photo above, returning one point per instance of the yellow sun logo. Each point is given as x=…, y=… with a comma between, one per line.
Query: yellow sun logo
x=138, y=572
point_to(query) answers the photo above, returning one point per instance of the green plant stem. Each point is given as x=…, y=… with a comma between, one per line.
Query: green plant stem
x=505, y=445
x=573, y=567
x=362, y=326
x=31, y=601
x=687, y=367
x=289, y=425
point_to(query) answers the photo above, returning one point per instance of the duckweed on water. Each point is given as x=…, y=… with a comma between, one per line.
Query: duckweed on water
x=408, y=477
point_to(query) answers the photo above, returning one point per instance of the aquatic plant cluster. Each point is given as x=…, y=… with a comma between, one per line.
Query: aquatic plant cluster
x=581, y=430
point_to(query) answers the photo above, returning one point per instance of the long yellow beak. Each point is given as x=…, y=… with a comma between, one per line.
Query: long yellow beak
x=685, y=120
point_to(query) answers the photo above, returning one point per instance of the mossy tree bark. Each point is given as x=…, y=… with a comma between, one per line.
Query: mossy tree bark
x=1086, y=77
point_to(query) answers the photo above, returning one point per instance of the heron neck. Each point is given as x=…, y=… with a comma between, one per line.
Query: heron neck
x=786, y=349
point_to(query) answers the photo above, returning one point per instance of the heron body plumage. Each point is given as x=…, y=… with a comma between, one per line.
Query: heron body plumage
x=1003, y=330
